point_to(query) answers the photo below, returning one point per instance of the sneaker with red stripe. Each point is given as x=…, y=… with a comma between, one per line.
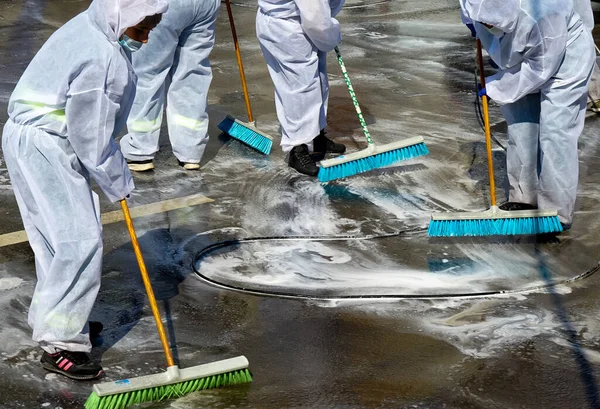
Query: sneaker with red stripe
x=75, y=365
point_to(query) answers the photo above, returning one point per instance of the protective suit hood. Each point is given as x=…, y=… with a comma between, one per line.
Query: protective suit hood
x=113, y=17
x=503, y=14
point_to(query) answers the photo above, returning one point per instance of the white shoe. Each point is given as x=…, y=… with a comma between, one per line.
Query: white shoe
x=189, y=165
x=140, y=166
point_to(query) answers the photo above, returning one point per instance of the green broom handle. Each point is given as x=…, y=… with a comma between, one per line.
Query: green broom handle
x=363, y=123
x=486, y=122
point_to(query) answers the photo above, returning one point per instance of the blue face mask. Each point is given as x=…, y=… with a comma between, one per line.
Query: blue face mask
x=131, y=44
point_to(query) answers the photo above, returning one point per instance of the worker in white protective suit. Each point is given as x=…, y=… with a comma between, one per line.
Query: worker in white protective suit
x=295, y=36
x=173, y=66
x=546, y=56
x=584, y=9
x=65, y=111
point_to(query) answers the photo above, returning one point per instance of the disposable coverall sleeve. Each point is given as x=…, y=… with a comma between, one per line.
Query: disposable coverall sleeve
x=463, y=15
x=91, y=113
x=318, y=24
x=541, y=60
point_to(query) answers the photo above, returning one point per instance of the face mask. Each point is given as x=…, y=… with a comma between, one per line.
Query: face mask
x=495, y=31
x=131, y=44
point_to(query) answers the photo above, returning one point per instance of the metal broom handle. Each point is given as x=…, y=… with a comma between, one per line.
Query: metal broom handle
x=238, y=54
x=138, y=255
x=363, y=123
x=486, y=122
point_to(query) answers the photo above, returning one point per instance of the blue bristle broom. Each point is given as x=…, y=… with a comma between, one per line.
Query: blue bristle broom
x=175, y=382
x=243, y=131
x=375, y=156
x=494, y=221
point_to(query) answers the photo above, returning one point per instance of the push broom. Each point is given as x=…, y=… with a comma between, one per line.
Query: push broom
x=374, y=156
x=494, y=221
x=245, y=132
x=173, y=383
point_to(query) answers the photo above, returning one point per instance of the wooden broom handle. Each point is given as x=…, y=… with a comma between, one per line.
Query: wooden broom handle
x=238, y=54
x=138, y=254
x=486, y=122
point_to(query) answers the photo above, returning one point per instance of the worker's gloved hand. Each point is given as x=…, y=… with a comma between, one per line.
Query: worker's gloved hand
x=472, y=28
x=481, y=91
x=493, y=64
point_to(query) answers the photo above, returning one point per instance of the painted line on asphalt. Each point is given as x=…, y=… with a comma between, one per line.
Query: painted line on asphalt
x=164, y=206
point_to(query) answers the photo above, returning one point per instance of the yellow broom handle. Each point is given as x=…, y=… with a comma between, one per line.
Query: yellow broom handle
x=238, y=54
x=486, y=122
x=147, y=284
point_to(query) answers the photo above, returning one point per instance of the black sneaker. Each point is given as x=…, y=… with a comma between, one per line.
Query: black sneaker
x=323, y=145
x=74, y=365
x=516, y=206
x=301, y=160
x=140, y=165
x=95, y=329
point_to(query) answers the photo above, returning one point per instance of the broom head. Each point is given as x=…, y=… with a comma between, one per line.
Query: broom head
x=494, y=222
x=247, y=133
x=374, y=157
x=173, y=383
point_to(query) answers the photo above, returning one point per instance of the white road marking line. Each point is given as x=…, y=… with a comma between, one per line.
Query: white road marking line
x=17, y=237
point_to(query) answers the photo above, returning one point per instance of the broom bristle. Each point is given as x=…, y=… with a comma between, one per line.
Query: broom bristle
x=159, y=393
x=495, y=227
x=246, y=135
x=371, y=162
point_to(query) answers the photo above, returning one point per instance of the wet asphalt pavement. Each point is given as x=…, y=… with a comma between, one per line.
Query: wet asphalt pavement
x=346, y=323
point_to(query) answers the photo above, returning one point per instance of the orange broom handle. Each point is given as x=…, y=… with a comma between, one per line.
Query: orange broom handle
x=138, y=254
x=486, y=122
x=238, y=54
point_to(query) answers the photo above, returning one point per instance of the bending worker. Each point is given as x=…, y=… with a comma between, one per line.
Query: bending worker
x=584, y=9
x=546, y=56
x=295, y=36
x=173, y=66
x=63, y=115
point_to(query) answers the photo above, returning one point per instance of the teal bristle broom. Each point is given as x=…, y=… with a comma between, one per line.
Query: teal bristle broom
x=494, y=221
x=175, y=382
x=244, y=131
x=375, y=156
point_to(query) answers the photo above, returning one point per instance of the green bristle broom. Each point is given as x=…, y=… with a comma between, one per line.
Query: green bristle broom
x=175, y=382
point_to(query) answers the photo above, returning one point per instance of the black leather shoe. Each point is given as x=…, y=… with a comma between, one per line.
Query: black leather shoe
x=516, y=206
x=96, y=328
x=301, y=160
x=323, y=145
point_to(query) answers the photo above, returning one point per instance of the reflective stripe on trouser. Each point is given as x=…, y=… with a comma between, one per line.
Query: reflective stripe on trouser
x=62, y=220
x=299, y=73
x=543, y=130
x=175, y=57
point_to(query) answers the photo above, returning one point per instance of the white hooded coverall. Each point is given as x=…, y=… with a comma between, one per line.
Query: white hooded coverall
x=584, y=9
x=546, y=56
x=174, y=65
x=65, y=111
x=295, y=36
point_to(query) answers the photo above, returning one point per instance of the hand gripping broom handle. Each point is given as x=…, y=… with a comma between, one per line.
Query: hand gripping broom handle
x=363, y=123
x=138, y=254
x=238, y=54
x=486, y=122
